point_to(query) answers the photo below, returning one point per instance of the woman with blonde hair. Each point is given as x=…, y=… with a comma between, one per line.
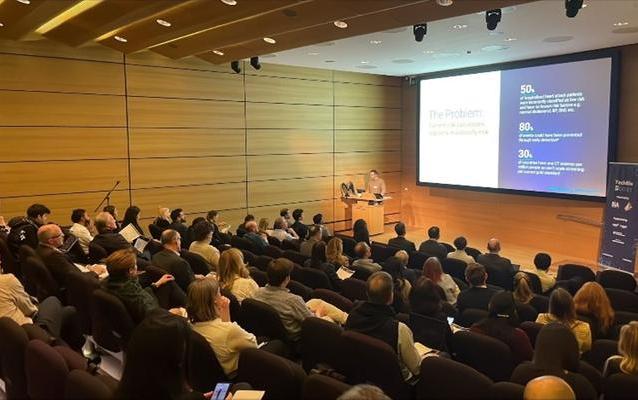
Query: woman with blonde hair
x=163, y=219
x=522, y=291
x=627, y=361
x=234, y=276
x=562, y=310
x=334, y=253
x=593, y=305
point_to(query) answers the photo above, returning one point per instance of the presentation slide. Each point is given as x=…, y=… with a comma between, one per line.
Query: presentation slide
x=538, y=129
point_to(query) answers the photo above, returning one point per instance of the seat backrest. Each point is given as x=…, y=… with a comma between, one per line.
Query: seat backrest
x=79, y=288
x=431, y=332
x=622, y=300
x=368, y=359
x=295, y=256
x=273, y=241
x=568, y=271
x=322, y=387
x=156, y=231
x=40, y=278
x=448, y=247
x=315, y=278
x=499, y=277
x=262, y=262
x=12, y=348
x=348, y=244
x=526, y=312
x=261, y=319
x=506, y=391
x=290, y=245
x=381, y=251
x=279, y=377
x=9, y=263
x=472, y=252
x=600, y=351
x=354, y=289
x=203, y=370
x=321, y=343
x=97, y=252
x=334, y=298
x=417, y=259
x=235, y=307
x=456, y=268
x=534, y=282
x=300, y=289
x=532, y=329
x=111, y=322
x=470, y=316
x=540, y=303
x=449, y=379
x=81, y=385
x=258, y=276
x=616, y=280
x=242, y=244
x=483, y=353
x=198, y=264
x=274, y=251
x=46, y=371
x=621, y=387
x=25, y=252
x=249, y=257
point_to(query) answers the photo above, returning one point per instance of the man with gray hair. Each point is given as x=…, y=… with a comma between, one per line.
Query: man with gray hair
x=363, y=391
x=376, y=318
x=170, y=261
x=364, y=261
x=259, y=243
x=107, y=236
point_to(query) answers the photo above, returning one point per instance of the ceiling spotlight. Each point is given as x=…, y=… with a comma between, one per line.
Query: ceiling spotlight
x=459, y=26
x=623, y=23
x=234, y=65
x=572, y=7
x=313, y=53
x=254, y=62
x=420, y=30
x=492, y=18
x=510, y=39
x=1, y=24
x=270, y=40
x=163, y=22
x=120, y=39
x=218, y=52
x=341, y=24
x=24, y=1
x=230, y=2
x=445, y=3
x=428, y=52
x=376, y=41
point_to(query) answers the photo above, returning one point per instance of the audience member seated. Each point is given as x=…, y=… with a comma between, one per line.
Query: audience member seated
x=432, y=246
x=107, y=236
x=317, y=219
x=179, y=222
x=81, y=228
x=522, y=291
x=202, y=235
x=113, y=211
x=241, y=229
x=298, y=226
x=258, y=241
x=556, y=353
x=234, y=276
x=593, y=306
x=170, y=261
x=548, y=387
x=124, y=284
x=502, y=324
x=500, y=265
x=360, y=232
x=627, y=361
x=282, y=232
x=410, y=274
x=542, y=262
x=425, y=299
x=285, y=214
x=363, y=261
x=402, y=286
x=432, y=270
x=478, y=295
x=460, y=243
x=163, y=219
x=132, y=217
x=25, y=230
x=376, y=318
x=563, y=311
x=58, y=263
x=264, y=229
x=319, y=261
x=211, y=217
x=363, y=391
x=154, y=366
x=209, y=314
x=314, y=236
x=291, y=308
x=400, y=242
x=334, y=253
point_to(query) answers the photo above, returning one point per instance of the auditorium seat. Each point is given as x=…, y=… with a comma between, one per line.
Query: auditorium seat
x=354, y=289
x=12, y=349
x=322, y=387
x=499, y=277
x=472, y=252
x=622, y=300
x=262, y=320
x=506, y=391
x=258, y=276
x=526, y=312
x=569, y=271
x=273, y=241
x=348, y=245
x=417, y=259
x=442, y=378
x=39, y=277
x=531, y=328
x=486, y=354
x=79, y=289
x=279, y=377
x=290, y=245
x=455, y=268
x=300, y=290
x=243, y=244
x=295, y=256
x=262, y=262
x=321, y=344
x=198, y=264
x=334, y=298
x=448, y=247
x=621, y=387
x=111, y=323
x=470, y=316
x=80, y=385
x=433, y=333
x=381, y=251
x=273, y=251
x=540, y=303
x=97, y=253
x=600, y=351
x=235, y=307
x=156, y=231
x=315, y=278
x=616, y=280
x=249, y=257
x=203, y=370
x=9, y=263
x=534, y=282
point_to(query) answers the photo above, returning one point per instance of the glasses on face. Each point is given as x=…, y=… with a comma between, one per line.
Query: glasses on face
x=61, y=235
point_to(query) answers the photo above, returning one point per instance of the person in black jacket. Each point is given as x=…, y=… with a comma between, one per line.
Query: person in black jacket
x=179, y=224
x=299, y=226
x=478, y=295
x=107, y=236
x=432, y=247
x=501, y=268
x=24, y=231
x=400, y=242
x=170, y=261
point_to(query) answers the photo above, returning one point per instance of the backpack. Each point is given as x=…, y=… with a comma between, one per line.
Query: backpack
x=24, y=232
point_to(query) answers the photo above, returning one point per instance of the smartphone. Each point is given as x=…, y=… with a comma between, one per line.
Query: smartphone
x=221, y=391
x=450, y=320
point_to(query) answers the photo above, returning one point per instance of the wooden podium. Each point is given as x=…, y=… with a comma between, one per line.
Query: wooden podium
x=368, y=208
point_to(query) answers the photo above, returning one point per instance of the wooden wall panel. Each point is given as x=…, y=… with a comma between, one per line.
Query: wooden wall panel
x=309, y=210
x=186, y=142
x=153, y=59
x=158, y=172
x=287, y=116
x=269, y=141
x=60, y=75
x=354, y=94
x=193, y=199
x=56, y=109
x=179, y=113
x=61, y=143
x=172, y=82
x=289, y=166
x=361, y=163
x=367, y=118
x=287, y=71
x=367, y=140
x=261, y=89
x=282, y=191
x=48, y=48
x=369, y=79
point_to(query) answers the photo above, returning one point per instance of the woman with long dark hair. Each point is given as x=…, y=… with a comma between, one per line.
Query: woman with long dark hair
x=318, y=260
x=360, y=231
x=402, y=287
x=132, y=217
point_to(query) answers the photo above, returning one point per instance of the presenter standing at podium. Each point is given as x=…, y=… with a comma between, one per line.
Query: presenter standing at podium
x=376, y=185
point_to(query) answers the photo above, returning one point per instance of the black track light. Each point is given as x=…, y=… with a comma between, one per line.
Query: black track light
x=572, y=7
x=235, y=67
x=492, y=18
x=254, y=61
x=420, y=30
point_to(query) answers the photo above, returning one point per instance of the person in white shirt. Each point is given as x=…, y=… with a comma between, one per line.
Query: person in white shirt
x=282, y=231
x=209, y=314
x=459, y=254
x=202, y=234
x=81, y=228
x=234, y=276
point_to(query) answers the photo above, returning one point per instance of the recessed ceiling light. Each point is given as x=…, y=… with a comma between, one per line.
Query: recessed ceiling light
x=376, y=41
x=459, y=26
x=621, y=23
x=341, y=24
x=163, y=22
x=1, y=24
x=313, y=53
x=429, y=52
x=218, y=52
x=24, y=1
x=365, y=62
x=270, y=40
x=511, y=39
x=230, y=2
x=120, y=39
x=445, y=3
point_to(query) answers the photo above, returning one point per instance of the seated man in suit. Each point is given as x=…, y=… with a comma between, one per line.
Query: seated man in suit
x=170, y=261
x=299, y=226
x=179, y=224
x=376, y=318
x=363, y=261
x=400, y=242
x=241, y=229
x=478, y=295
x=258, y=241
x=432, y=246
x=314, y=236
x=51, y=238
x=107, y=237
x=501, y=268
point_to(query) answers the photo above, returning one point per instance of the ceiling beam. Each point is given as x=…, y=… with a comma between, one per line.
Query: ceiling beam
x=21, y=19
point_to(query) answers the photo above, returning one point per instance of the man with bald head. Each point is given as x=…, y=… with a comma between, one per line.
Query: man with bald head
x=548, y=387
x=170, y=260
x=51, y=238
x=500, y=270
x=107, y=236
x=376, y=318
x=259, y=243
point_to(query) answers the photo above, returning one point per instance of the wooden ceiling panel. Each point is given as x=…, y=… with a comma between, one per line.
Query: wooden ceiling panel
x=21, y=19
x=107, y=16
